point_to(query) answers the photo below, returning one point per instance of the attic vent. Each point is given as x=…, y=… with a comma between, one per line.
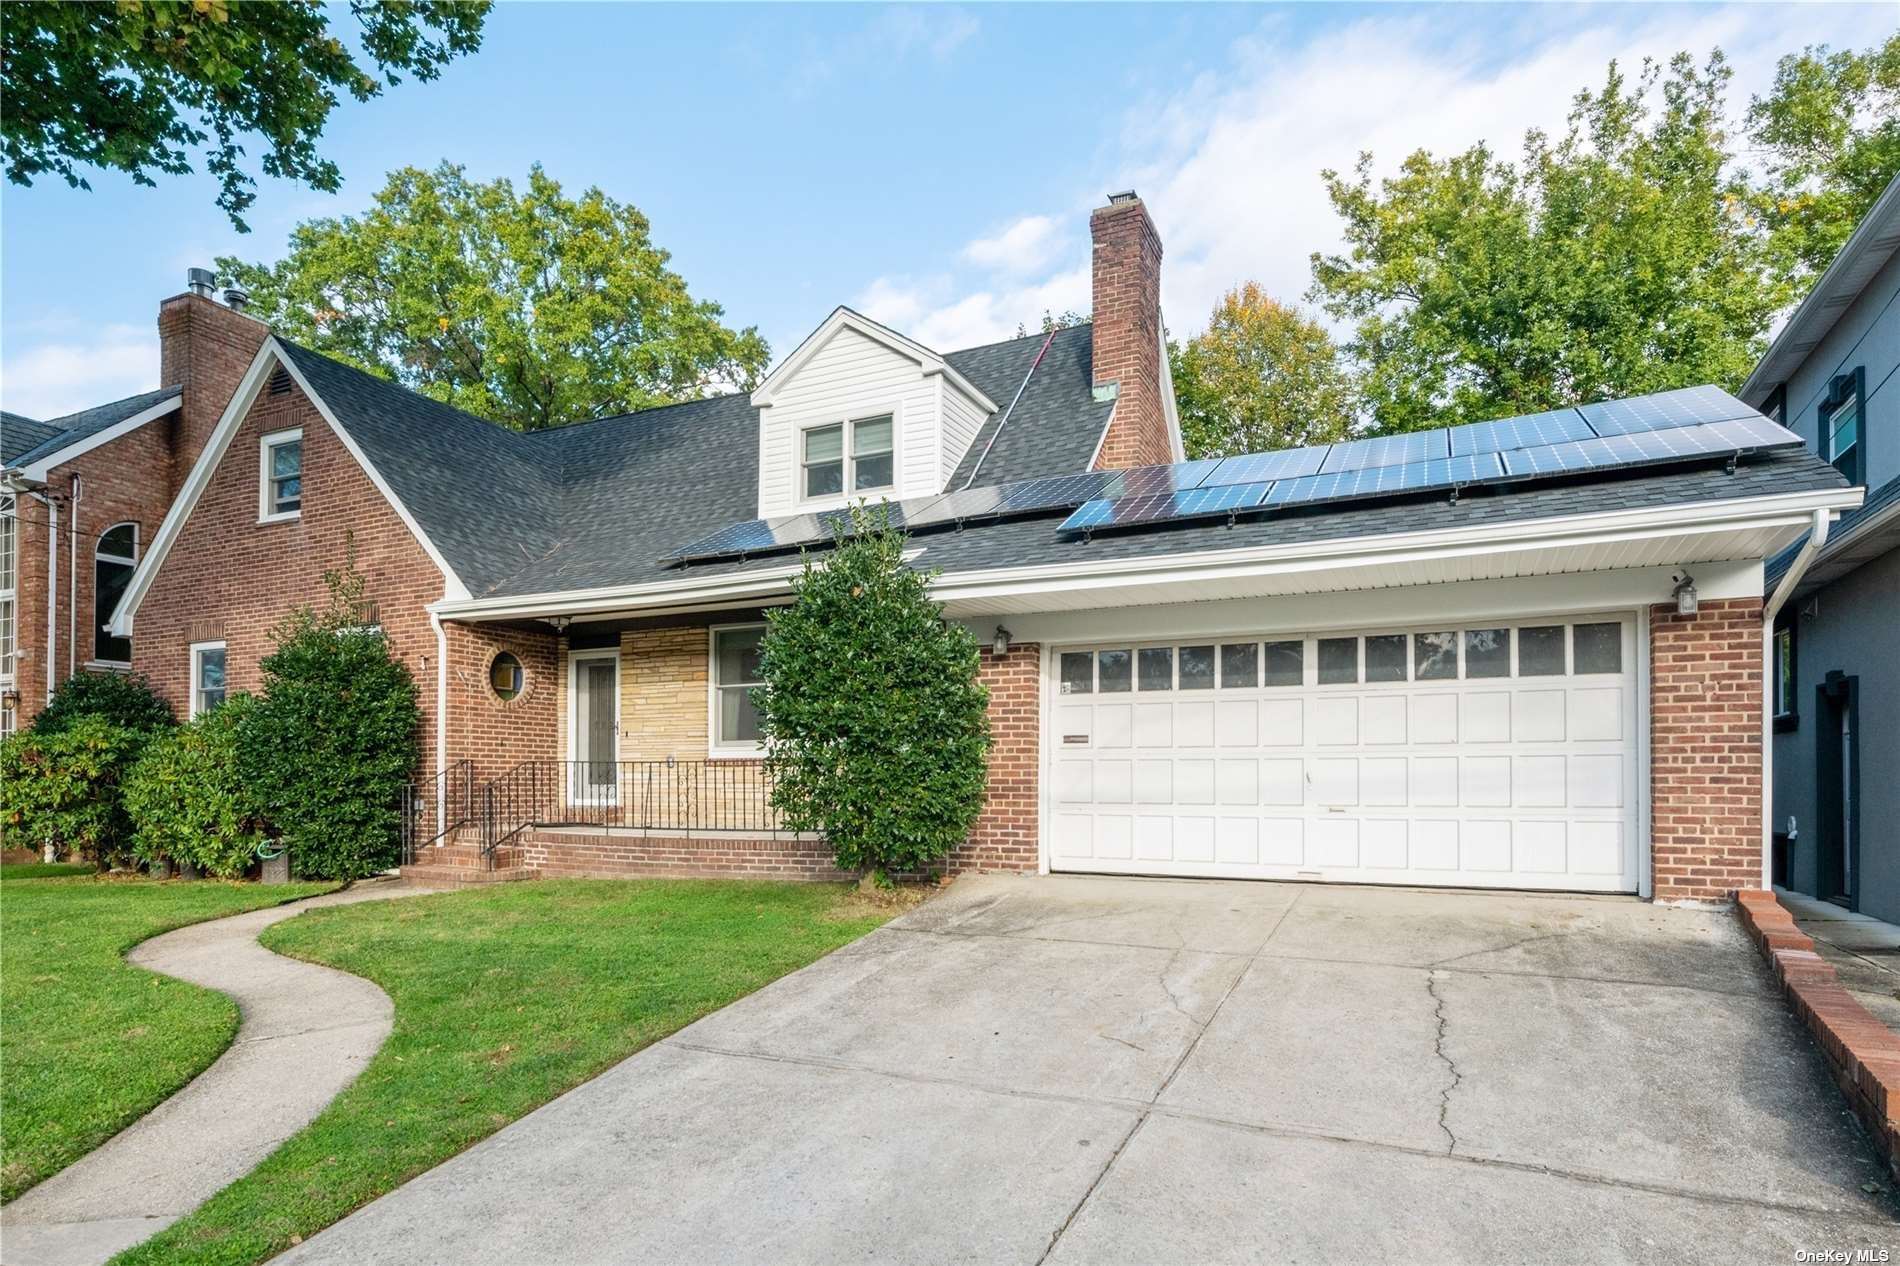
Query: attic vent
x=280, y=382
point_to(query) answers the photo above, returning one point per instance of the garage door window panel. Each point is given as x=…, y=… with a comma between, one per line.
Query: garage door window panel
x=1540, y=651
x=1385, y=657
x=1338, y=661
x=1197, y=668
x=1286, y=663
x=1240, y=666
x=1596, y=648
x=1487, y=652
x=1155, y=667
x=1435, y=656
x=1078, y=672
x=1114, y=672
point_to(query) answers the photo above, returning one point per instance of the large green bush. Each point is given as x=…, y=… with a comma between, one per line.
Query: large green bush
x=62, y=789
x=123, y=699
x=188, y=801
x=876, y=727
x=332, y=738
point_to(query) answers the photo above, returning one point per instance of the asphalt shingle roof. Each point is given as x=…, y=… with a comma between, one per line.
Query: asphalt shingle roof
x=19, y=433
x=1877, y=500
x=1056, y=424
x=57, y=433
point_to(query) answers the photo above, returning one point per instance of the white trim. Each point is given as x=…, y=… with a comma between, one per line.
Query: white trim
x=207, y=464
x=805, y=504
x=266, y=443
x=1771, y=674
x=1101, y=441
x=194, y=651
x=844, y=318
x=1170, y=413
x=715, y=750
x=41, y=469
x=570, y=745
x=441, y=707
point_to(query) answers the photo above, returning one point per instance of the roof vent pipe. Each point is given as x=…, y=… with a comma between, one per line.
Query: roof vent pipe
x=236, y=297
x=199, y=281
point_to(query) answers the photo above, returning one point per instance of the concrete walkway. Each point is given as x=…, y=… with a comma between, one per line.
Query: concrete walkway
x=1067, y=1070
x=304, y=1033
x=1864, y=950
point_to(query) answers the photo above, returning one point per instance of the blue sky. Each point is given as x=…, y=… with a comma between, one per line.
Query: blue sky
x=931, y=165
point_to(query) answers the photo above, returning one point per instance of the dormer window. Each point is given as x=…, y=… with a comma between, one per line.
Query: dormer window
x=857, y=455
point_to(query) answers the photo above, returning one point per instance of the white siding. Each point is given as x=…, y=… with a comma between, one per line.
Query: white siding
x=852, y=376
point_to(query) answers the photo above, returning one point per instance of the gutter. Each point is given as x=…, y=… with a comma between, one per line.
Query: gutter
x=1790, y=580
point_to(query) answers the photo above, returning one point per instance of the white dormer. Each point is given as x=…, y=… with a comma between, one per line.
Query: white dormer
x=860, y=411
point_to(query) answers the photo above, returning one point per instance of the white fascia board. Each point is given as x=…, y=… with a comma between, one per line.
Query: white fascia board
x=842, y=318
x=42, y=469
x=1169, y=411
x=452, y=586
x=614, y=599
x=207, y=464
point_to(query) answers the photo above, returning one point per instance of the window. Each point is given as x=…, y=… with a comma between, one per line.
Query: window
x=1078, y=672
x=1240, y=665
x=1338, y=660
x=867, y=467
x=1841, y=439
x=1385, y=657
x=207, y=676
x=1596, y=648
x=1775, y=407
x=1286, y=665
x=1487, y=652
x=1540, y=651
x=9, y=592
x=1197, y=668
x=504, y=676
x=1784, y=677
x=1113, y=672
x=1435, y=656
x=1155, y=665
x=114, y=559
x=735, y=675
x=281, y=477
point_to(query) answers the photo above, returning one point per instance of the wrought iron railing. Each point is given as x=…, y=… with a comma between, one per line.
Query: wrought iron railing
x=644, y=795
x=433, y=808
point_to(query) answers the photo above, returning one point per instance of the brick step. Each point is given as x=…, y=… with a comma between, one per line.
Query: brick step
x=463, y=877
x=465, y=855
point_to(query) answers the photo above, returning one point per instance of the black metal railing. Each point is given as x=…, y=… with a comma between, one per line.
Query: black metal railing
x=643, y=795
x=434, y=807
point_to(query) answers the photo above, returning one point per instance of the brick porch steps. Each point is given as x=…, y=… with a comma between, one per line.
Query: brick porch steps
x=462, y=866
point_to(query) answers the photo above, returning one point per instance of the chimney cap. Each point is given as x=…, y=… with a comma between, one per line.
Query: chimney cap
x=199, y=281
x=236, y=297
x=1125, y=195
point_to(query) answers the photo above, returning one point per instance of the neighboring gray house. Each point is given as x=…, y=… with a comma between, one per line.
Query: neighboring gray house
x=1835, y=674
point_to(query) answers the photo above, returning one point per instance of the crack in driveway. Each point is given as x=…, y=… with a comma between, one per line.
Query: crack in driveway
x=1451, y=1065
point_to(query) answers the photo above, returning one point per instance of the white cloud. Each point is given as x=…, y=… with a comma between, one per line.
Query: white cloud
x=892, y=37
x=1023, y=246
x=48, y=379
x=1229, y=160
x=934, y=312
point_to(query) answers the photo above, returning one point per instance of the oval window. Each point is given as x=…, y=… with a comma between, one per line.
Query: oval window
x=504, y=676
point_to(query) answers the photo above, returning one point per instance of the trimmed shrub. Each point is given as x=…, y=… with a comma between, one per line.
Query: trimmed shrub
x=122, y=699
x=876, y=728
x=332, y=737
x=62, y=789
x=187, y=800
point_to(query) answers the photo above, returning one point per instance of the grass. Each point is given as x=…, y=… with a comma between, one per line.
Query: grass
x=505, y=998
x=90, y=1043
x=45, y=870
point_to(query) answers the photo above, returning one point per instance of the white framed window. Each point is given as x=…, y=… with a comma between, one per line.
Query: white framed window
x=733, y=726
x=9, y=592
x=280, y=476
x=115, y=556
x=207, y=676
x=847, y=458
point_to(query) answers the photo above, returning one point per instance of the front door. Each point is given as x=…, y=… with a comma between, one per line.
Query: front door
x=595, y=683
x=1837, y=789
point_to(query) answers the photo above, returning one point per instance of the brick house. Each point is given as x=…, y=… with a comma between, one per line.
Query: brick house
x=82, y=496
x=1522, y=654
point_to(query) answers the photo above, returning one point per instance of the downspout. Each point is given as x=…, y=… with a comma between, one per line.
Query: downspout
x=72, y=579
x=441, y=710
x=1790, y=579
x=52, y=594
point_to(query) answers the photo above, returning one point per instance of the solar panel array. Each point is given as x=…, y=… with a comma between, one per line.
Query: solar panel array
x=1694, y=423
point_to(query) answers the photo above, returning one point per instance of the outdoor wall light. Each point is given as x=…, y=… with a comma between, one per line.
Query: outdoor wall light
x=1685, y=594
x=1000, y=644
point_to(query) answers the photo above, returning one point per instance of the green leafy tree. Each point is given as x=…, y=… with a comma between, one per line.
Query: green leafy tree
x=1618, y=259
x=126, y=700
x=136, y=86
x=1829, y=129
x=1261, y=376
x=526, y=306
x=61, y=791
x=332, y=737
x=875, y=724
x=1053, y=321
x=187, y=800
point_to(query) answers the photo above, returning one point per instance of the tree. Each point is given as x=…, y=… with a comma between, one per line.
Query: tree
x=1261, y=376
x=527, y=307
x=188, y=801
x=1830, y=131
x=116, y=86
x=125, y=700
x=1621, y=258
x=875, y=726
x=1053, y=321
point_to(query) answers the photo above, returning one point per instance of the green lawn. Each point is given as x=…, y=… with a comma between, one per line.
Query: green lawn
x=505, y=997
x=45, y=870
x=88, y=1042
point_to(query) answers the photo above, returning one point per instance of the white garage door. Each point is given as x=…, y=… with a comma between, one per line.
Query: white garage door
x=1487, y=756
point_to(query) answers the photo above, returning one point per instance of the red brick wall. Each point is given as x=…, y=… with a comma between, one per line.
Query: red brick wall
x=1004, y=837
x=205, y=348
x=1126, y=312
x=230, y=578
x=563, y=854
x=495, y=735
x=1705, y=749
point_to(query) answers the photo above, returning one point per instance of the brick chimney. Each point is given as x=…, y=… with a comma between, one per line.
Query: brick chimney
x=1127, y=333
x=204, y=347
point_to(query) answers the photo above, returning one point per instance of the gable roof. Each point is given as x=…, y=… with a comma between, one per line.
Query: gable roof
x=56, y=436
x=842, y=318
x=19, y=433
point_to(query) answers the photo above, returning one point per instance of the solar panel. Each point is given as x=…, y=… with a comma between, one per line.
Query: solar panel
x=1665, y=410
x=1373, y=481
x=1287, y=463
x=1387, y=450
x=1528, y=431
x=1189, y=503
x=1638, y=448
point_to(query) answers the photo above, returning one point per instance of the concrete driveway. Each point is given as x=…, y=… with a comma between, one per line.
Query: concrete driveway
x=1083, y=1070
